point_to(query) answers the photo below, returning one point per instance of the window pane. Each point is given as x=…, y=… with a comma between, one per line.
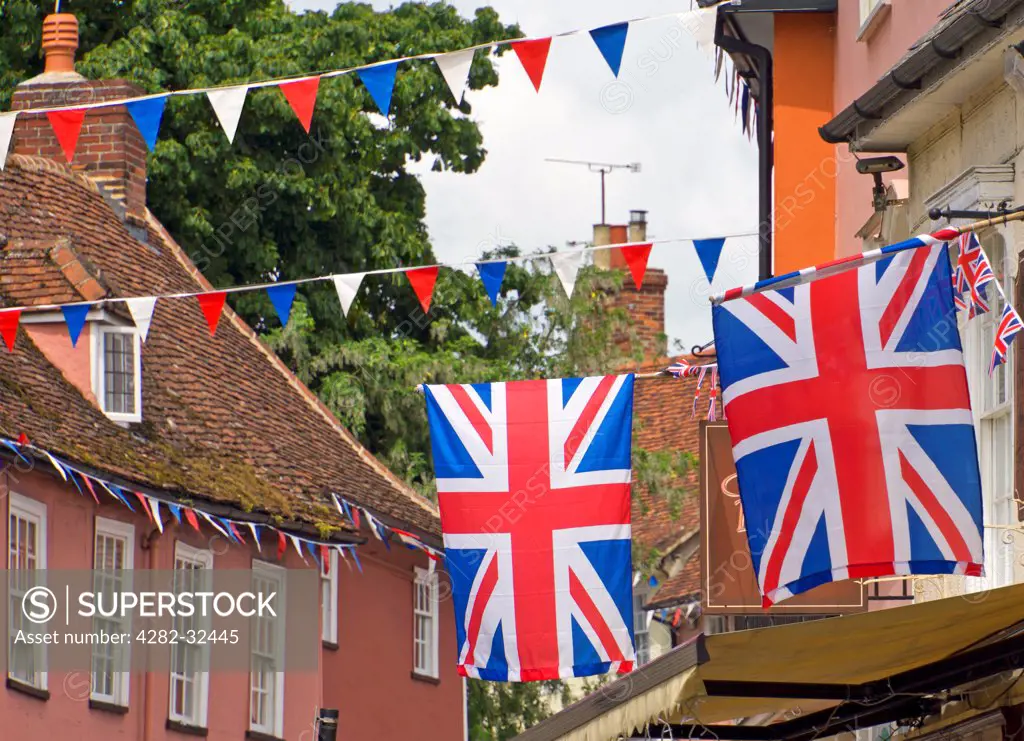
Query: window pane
x=119, y=372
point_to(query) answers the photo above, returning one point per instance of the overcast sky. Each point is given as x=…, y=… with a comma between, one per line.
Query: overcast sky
x=699, y=171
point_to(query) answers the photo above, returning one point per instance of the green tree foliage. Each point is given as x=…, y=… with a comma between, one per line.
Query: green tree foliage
x=279, y=203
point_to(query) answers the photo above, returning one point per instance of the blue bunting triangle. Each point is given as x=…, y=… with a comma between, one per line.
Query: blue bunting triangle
x=492, y=274
x=175, y=511
x=380, y=82
x=610, y=41
x=74, y=317
x=709, y=251
x=147, y=114
x=282, y=297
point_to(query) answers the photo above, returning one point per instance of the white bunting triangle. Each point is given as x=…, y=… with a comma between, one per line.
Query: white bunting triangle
x=700, y=24
x=567, y=266
x=455, y=68
x=6, y=132
x=347, y=286
x=141, y=310
x=227, y=104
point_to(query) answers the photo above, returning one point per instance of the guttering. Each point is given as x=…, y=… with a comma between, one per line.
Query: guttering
x=762, y=58
x=981, y=21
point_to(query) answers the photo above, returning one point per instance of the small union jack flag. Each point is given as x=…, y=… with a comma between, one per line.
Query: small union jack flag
x=973, y=273
x=1009, y=326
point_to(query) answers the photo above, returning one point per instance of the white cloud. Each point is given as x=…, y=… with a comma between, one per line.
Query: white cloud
x=699, y=174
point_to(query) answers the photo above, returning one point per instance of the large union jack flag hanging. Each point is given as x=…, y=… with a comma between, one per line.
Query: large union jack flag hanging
x=851, y=423
x=533, y=481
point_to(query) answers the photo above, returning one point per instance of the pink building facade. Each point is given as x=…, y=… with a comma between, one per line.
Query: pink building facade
x=217, y=424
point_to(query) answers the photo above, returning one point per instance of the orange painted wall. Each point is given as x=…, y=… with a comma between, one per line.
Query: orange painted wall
x=805, y=166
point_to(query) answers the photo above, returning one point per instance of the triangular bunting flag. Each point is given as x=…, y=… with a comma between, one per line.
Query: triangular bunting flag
x=9, y=326
x=227, y=104
x=492, y=274
x=146, y=114
x=355, y=557
x=281, y=297
x=23, y=439
x=636, y=258
x=455, y=70
x=74, y=317
x=380, y=83
x=190, y=515
x=533, y=55
x=154, y=506
x=141, y=310
x=254, y=529
x=325, y=559
x=567, y=266
x=422, y=281
x=298, y=547
x=610, y=41
x=88, y=485
x=301, y=95
x=175, y=511
x=347, y=286
x=67, y=125
x=212, y=304
x=234, y=531
x=282, y=545
x=709, y=251
x=6, y=132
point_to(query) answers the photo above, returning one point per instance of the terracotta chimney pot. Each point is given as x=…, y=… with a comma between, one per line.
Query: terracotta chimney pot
x=60, y=40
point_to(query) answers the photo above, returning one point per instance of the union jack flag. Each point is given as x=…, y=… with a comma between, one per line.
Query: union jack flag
x=851, y=423
x=1009, y=326
x=972, y=274
x=533, y=482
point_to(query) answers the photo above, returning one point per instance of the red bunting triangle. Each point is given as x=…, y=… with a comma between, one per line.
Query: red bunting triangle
x=422, y=281
x=9, y=326
x=636, y=258
x=190, y=515
x=67, y=125
x=282, y=545
x=301, y=95
x=212, y=304
x=88, y=485
x=533, y=55
x=23, y=439
x=325, y=558
x=145, y=505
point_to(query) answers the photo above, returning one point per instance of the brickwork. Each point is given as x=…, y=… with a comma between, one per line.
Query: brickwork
x=646, y=310
x=110, y=149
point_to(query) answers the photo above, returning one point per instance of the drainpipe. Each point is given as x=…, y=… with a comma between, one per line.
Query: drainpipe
x=762, y=57
x=149, y=545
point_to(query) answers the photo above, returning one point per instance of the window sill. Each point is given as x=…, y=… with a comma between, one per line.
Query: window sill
x=108, y=707
x=874, y=20
x=27, y=689
x=330, y=645
x=261, y=736
x=185, y=728
x=424, y=678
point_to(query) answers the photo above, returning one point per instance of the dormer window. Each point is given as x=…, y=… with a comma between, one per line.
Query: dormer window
x=117, y=376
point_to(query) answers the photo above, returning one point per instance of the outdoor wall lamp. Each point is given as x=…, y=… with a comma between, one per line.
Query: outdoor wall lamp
x=327, y=725
x=875, y=166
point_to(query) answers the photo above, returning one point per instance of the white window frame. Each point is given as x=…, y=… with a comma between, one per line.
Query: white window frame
x=999, y=508
x=270, y=572
x=641, y=624
x=867, y=7
x=329, y=599
x=34, y=512
x=121, y=681
x=429, y=578
x=201, y=682
x=99, y=365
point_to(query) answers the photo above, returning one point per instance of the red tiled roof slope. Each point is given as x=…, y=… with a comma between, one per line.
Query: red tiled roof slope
x=226, y=397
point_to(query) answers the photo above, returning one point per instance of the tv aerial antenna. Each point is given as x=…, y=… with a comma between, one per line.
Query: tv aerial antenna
x=604, y=168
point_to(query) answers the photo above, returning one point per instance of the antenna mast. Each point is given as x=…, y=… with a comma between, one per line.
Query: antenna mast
x=600, y=167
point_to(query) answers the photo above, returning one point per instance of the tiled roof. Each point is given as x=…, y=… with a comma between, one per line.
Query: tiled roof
x=662, y=421
x=225, y=401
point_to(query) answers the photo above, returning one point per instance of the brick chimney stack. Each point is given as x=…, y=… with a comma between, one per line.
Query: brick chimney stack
x=110, y=149
x=645, y=307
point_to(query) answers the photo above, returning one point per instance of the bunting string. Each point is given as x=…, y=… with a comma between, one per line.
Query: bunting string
x=565, y=264
x=229, y=528
x=378, y=78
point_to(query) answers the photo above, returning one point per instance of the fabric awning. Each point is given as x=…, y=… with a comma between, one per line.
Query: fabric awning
x=794, y=671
